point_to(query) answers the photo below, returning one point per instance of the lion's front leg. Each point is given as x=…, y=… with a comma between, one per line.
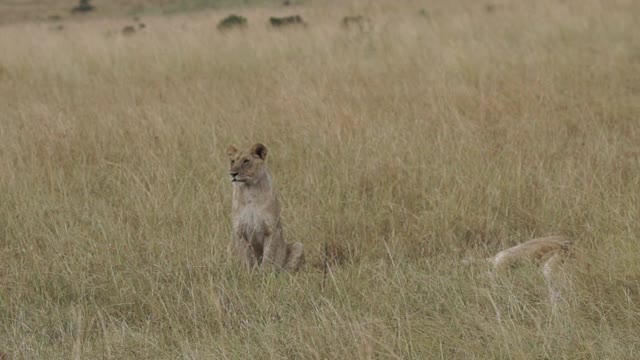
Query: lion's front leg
x=267, y=249
x=244, y=250
x=247, y=255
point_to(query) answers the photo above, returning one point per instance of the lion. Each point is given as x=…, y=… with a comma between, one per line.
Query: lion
x=539, y=251
x=550, y=253
x=257, y=230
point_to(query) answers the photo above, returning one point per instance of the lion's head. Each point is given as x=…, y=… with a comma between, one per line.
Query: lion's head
x=247, y=166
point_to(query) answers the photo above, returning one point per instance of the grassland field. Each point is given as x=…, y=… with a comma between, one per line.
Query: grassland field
x=431, y=137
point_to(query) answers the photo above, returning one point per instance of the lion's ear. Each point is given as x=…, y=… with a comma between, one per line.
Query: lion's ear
x=231, y=150
x=259, y=150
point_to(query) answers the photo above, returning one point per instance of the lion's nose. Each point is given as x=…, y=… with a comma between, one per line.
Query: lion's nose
x=233, y=174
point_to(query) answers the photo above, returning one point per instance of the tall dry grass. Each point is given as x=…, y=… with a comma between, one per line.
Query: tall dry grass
x=406, y=148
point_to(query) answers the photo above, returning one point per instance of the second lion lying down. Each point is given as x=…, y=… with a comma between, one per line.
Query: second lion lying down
x=255, y=214
x=550, y=253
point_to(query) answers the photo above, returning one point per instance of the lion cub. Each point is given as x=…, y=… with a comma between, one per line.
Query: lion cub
x=255, y=214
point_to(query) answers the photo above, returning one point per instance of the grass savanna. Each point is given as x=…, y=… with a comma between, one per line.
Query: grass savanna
x=54, y=11
x=408, y=148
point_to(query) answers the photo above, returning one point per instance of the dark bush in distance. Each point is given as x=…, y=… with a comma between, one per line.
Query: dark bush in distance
x=83, y=7
x=287, y=20
x=232, y=21
x=358, y=22
x=128, y=30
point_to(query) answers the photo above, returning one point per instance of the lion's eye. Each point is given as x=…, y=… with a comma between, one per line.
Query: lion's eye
x=245, y=162
x=233, y=162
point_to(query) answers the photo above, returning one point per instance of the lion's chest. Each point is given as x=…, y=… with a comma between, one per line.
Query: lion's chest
x=251, y=224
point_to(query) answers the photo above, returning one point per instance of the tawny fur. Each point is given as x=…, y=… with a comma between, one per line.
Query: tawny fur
x=537, y=251
x=549, y=252
x=257, y=231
